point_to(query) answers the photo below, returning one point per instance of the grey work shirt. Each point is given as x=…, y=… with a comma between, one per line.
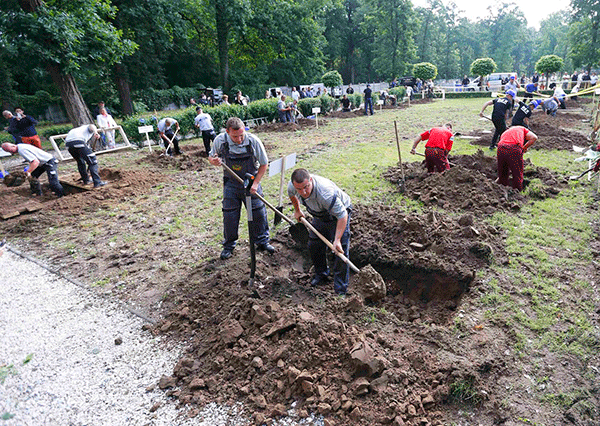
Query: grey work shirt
x=322, y=197
x=258, y=149
x=31, y=153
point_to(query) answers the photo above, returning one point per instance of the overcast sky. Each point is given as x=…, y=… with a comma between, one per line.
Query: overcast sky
x=535, y=10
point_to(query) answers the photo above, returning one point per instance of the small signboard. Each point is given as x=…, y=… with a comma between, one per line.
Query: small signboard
x=316, y=110
x=145, y=129
x=380, y=102
x=287, y=162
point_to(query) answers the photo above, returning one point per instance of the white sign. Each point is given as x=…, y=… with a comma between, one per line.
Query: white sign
x=145, y=129
x=316, y=110
x=380, y=102
x=597, y=91
x=288, y=162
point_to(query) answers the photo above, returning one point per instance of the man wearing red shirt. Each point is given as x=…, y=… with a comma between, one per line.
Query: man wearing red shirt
x=514, y=142
x=439, y=143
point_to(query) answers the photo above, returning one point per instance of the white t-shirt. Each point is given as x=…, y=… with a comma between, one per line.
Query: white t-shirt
x=162, y=124
x=204, y=122
x=30, y=153
x=81, y=133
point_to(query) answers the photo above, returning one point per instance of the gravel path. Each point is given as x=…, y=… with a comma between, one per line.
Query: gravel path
x=60, y=365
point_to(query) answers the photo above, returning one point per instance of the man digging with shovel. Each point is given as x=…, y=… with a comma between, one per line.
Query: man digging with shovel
x=242, y=153
x=439, y=143
x=331, y=208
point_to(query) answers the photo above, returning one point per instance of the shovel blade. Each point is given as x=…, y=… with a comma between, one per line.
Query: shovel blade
x=299, y=233
x=277, y=219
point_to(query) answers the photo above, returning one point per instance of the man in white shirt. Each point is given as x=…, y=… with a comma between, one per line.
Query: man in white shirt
x=204, y=123
x=39, y=162
x=167, y=135
x=77, y=143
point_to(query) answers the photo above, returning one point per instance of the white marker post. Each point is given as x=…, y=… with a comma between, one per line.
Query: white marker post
x=146, y=130
x=380, y=103
x=316, y=111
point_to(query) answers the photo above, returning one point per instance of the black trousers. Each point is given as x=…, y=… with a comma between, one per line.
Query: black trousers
x=500, y=125
x=51, y=169
x=85, y=158
x=207, y=137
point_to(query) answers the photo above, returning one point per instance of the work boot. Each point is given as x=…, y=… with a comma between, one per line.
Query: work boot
x=319, y=279
x=99, y=184
x=226, y=254
x=266, y=247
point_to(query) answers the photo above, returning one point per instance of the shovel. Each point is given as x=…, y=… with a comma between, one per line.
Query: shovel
x=297, y=230
x=171, y=141
x=277, y=219
x=423, y=155
x=577, y=177
x=328, y=243
x=485, y=117
x=403, y=184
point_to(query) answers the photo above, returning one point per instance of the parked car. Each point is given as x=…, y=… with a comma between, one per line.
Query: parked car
x=493, y=82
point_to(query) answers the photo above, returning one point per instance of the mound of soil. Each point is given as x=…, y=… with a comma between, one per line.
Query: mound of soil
x=552, y=132
x=470, y=185
x=280, y=342
x=347, y=114
x=193, y=157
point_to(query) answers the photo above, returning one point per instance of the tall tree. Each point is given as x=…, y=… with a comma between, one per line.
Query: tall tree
x=62, y=36
x=585, y=33
x=394, y=23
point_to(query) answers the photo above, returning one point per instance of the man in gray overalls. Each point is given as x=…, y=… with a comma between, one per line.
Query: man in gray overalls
x=243, y=153
x=330, y=208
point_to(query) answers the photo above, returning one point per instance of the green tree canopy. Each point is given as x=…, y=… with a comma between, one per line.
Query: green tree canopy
x=425, y=71
x=483, y=66
x=585, y=33
x=548, y=64
x=332, y=79
x=63, y=36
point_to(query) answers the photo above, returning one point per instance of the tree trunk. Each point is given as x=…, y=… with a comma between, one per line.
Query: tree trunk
x=77, y=110
x=223, y=43
x=123, y=88
x=30, y=6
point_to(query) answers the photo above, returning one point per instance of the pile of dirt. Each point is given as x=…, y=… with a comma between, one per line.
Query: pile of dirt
x=193, y=157
x=283, y=342
x=347, y=114
x=552, y=132
x=470, y=185
x=300, y=124
x=121, y=186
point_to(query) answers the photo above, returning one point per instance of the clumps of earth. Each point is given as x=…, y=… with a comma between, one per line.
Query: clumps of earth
x=470, y=185
x=192, y=157
x=280, y=343
x=552, y=132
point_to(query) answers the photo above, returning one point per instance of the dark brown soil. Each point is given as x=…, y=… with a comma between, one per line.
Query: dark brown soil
x=552, y=132
x=280, y=340
x=193, y=158
x=470, y=185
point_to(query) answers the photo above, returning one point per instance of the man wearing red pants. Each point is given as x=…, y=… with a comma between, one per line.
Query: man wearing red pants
x=439, y=143
x=514, y=142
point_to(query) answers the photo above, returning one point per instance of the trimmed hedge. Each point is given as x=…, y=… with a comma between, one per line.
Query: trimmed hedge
x=219, y=114
x=456, y=95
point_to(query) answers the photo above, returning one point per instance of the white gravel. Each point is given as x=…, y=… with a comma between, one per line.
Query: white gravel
x=59, y=364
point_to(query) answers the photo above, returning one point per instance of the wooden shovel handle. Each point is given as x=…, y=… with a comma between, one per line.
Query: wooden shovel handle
x=260, y=197
x=328, y=243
